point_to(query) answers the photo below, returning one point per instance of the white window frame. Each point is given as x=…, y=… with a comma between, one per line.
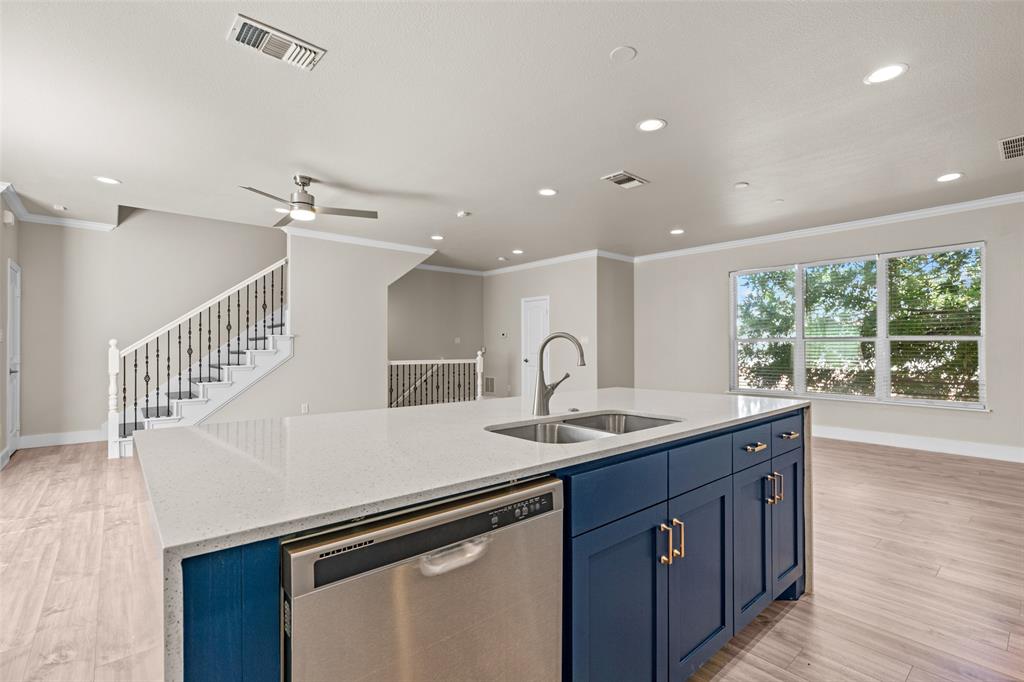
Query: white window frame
x=882, y=339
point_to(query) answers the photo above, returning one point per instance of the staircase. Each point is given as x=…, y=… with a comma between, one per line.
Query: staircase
x=188, y=369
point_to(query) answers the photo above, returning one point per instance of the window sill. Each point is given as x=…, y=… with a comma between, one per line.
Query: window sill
x=967, y=407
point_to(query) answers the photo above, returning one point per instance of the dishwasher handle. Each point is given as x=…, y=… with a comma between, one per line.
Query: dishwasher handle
x=447, y=560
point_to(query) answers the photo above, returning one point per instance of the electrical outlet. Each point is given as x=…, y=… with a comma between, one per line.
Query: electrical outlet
x=458, y=340
x=304, y=408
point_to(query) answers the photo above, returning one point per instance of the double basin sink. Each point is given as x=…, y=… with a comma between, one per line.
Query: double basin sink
x=583, y=428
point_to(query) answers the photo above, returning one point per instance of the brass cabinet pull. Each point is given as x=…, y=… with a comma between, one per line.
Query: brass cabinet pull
x=790, y=435
x=755, y=447
x=782, y=487
x=667, y=559
x=681, y=550
x=771, y=496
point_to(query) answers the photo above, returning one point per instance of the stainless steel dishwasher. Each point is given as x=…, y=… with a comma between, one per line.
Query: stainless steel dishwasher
x=469, y=590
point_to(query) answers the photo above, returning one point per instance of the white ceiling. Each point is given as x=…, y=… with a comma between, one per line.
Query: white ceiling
x=422, y=109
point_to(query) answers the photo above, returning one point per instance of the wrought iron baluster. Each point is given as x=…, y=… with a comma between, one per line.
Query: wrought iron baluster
x=264, y=312
x=209, y=343
x=200, y=339
x=220, y=367
x=179, y=365
x=246, y=317
x=168, y=391
x=274, y=321
x=188, y=353
x=157, y=377
x=135, y=390
x=145, y=380
x=281, y=307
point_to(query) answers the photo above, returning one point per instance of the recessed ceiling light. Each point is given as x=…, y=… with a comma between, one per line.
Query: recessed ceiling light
x=517, y=252
x=649, y=125
x=281, y=209
x=547, y=192
x=59, y=207
x=949, y=177
x=107, y=181
x=677, y=230
x=741, y=185
x=623, y=54
x=463, y=214
x=885, y=73
x=502, y=259
x=779, y=201
x=437, y=237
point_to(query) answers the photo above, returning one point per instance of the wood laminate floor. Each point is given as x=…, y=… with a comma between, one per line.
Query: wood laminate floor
x=919, y=573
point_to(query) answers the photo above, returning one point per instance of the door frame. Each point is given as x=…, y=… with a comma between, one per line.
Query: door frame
x=523, y=351
x=13, y=324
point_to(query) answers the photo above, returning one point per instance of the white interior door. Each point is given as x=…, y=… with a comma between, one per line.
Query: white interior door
x=535, y=328
x=13, y=353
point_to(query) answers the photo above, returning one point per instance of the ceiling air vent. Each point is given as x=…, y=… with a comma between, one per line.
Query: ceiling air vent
x=625, y=179
x=274, y=43
x=1012, y=147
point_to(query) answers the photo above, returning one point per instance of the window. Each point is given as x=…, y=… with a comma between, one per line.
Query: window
x=901, y=327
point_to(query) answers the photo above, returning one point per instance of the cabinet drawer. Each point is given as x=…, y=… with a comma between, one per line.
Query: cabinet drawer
x=612, y=492
x=691, y=466
x=751, y=446
x=787, y=434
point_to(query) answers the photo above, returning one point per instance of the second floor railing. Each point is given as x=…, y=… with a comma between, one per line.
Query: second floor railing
x=427, y=382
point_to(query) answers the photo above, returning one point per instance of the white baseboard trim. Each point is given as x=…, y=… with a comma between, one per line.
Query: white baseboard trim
x=1006, y=453
x=42, y=440
x=5, y=456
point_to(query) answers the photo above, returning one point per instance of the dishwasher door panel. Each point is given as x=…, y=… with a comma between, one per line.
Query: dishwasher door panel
x=486, y=609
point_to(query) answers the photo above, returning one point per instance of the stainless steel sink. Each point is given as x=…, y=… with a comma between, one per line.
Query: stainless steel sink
x=618, y=422
x=580, y=429
x=553, y=432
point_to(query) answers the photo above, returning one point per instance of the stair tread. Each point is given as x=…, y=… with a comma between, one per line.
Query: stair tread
x=206, y=379
x=181, y=395
x=126, y=430
x=156, y=412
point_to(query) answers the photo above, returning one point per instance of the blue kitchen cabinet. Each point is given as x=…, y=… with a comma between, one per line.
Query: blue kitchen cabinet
x=752, y=553
x=787, y=521
x=618, y=601
x=700, y=578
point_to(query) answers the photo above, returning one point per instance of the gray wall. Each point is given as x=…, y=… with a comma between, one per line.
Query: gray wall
x=428, y=310
x=614, y=323
x=84, y=287
x=572, y=287
x=339, y=315
x=682, y=321
x=8, y=249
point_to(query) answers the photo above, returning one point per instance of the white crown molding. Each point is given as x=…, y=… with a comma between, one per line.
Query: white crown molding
x=1006, y=453
x=593, y=253
x=357, y=241
x=947, y=209
x=445, y=268
x=21, y=213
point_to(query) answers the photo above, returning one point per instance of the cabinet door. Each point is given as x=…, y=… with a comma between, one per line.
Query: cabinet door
x=619, y=594
x=788, y=521
x=752, y=559
x=700, y=578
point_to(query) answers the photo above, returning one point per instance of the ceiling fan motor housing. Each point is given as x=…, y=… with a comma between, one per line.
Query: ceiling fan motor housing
x=302, y=198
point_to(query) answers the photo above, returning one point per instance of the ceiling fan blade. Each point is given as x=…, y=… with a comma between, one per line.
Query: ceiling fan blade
x=350, y=212
x=269, y=196
x=285, y=220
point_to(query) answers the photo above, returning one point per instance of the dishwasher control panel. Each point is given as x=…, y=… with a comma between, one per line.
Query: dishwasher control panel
x=517, y=511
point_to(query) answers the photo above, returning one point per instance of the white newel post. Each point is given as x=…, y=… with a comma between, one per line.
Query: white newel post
x=480, y=374
x=113, y=365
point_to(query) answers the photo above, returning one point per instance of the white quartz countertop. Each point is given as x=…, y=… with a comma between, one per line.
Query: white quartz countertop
x=221, y=485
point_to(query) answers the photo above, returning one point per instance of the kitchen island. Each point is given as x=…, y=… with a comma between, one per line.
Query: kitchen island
x=222, y=486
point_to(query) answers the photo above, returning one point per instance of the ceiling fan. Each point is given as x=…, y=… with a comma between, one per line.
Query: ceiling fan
x=302, y=206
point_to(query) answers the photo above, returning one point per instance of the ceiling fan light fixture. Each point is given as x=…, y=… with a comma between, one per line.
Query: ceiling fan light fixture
x=301, y=213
